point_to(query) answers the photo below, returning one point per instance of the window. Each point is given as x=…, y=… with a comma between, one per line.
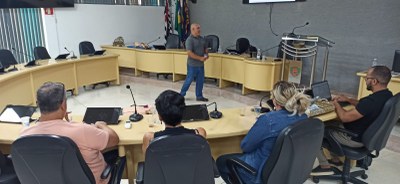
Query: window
x=21, y=29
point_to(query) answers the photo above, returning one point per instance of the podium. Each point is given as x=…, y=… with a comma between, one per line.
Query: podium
x=305, y=46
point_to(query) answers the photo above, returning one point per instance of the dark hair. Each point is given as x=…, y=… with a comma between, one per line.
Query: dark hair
x=382, y=74
x=50, y=96
x=170, y=106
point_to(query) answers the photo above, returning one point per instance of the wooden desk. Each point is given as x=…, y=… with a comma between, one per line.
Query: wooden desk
x=224, y=135
x=228, y=69
x=394, y=85
x=19, y=87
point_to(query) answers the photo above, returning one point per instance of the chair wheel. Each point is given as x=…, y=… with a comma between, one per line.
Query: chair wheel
x=364, y=176
x=315, y=180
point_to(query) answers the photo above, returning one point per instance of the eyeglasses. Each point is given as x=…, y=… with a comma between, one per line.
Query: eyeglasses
x=372, y=78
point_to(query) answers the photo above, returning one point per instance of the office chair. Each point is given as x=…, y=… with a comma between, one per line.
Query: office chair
x=177, y=159
x=173, y=42
x=292, y=156
x=374, y=139
x=212, y=43
x=86, y=48
x=7, y=173
x=41, y=53
x=49, y=159
x=242, y=45
x=7, y=59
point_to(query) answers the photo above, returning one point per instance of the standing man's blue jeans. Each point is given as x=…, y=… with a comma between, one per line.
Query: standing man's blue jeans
x=192, y=72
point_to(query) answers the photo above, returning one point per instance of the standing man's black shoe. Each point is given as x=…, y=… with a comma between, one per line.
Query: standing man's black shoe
x=202, y=99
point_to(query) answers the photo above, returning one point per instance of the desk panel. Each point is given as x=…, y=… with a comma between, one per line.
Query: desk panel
x=97, y=69
x=58, y=72
x=126, y=59
x=232, y=69
x=16, y=90
x=152, y=61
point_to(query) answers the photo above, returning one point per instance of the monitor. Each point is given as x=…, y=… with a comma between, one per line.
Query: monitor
x=62, y=56
x=396, y=62
x=36, y=3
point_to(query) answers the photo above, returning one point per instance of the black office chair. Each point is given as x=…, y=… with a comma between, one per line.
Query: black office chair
x=374, y=139
x=41, y=53
x=173, y=42
x=212, y=43
x=242, y=45
x=86, y=48
x=49, y=159
x=7, y=59
x=177, y=159
x=292, y=156
x=7, y=173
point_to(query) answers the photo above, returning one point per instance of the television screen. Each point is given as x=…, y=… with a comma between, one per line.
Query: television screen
x=36, y=3
x=265, y=1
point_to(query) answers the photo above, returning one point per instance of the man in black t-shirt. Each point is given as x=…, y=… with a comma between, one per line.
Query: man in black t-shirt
x=361, y=117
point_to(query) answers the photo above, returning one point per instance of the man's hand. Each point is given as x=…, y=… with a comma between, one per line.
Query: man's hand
x=341, y=98
x=100, y=124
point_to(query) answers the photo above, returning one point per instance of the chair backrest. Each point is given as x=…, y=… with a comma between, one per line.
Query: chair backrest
x=377, y=134
x=212, y=43
x=178, y=159
x=49, y=159
x=242, y=45
x=7, y=58
x=294, y=153
x=86, y=47
x=41, y=53
x=172, y=42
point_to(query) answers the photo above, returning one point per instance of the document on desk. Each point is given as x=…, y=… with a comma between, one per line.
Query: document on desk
x=9, y=115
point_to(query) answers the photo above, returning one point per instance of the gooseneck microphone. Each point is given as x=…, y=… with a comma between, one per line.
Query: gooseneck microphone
x=292, y=33
x=73, y=54
x=135, y=117
x=29, y=63
x=153, y=40
x=215, y=114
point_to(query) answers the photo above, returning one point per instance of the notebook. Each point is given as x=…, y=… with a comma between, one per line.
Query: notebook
x=62, y=56
x=197, y=112
x=110, y=115
x=322, y=90
x=13, y=113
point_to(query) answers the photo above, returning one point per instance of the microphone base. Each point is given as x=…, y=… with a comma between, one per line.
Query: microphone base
x=12, y=69
x=31, y=64
x=215, y=114
x=74, y=57
x=135, y=117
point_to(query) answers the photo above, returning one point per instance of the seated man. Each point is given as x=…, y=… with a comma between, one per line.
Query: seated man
x=90, y=139
x=170, y=106
x=360, y=118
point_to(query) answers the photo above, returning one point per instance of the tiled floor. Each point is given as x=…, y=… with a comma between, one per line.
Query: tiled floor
x=146, y=89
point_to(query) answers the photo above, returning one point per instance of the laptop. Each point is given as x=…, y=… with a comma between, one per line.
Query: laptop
x=98, y=53
x=19, y=110
x=159, y=47
x=62, y=56
x=322, y=90
x=110, y=115
x=197, y=112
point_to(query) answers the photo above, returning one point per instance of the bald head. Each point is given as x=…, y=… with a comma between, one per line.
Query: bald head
x=195, y=29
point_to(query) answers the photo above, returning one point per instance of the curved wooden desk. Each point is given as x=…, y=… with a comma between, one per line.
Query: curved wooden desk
x=224, y=135
x=255, y=75
x=19, y=87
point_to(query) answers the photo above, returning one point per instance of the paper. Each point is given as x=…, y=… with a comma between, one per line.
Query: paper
x=9, y=115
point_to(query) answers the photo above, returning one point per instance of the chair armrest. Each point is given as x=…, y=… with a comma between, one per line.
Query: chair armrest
x=140, y=173
x=348, y=132
x=236, y=162
x=215, y=168
x=106, y=172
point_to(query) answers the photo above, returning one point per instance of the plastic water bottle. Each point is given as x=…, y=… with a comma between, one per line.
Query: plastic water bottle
x=375, y=62
x=259, y=54
x=219, y=49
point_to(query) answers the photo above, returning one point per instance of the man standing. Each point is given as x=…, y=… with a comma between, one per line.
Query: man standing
x=196, y=48
x=90, y=139
x=361, y=117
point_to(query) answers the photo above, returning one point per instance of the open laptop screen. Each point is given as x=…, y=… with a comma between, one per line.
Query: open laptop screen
x=195, y=113
x=321, y=90
x=109, y=115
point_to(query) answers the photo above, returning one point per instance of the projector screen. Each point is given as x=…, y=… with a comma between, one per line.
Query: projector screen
x=265, y=1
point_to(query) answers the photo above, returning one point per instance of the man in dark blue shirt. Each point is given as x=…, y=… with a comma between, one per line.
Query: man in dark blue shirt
x=361, y=117
x=196, y=48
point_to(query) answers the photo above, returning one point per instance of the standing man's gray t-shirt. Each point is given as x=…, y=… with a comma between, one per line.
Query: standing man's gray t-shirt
x=197, y=45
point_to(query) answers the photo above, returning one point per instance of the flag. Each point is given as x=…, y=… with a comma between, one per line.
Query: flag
x=182, y=19
x=167, y=20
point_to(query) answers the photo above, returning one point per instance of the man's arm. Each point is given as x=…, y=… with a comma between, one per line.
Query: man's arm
x=342, y=98
x=346, y=116
x=201, y=132
x=196, y=57
x=146, y=141
x=113, y=138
